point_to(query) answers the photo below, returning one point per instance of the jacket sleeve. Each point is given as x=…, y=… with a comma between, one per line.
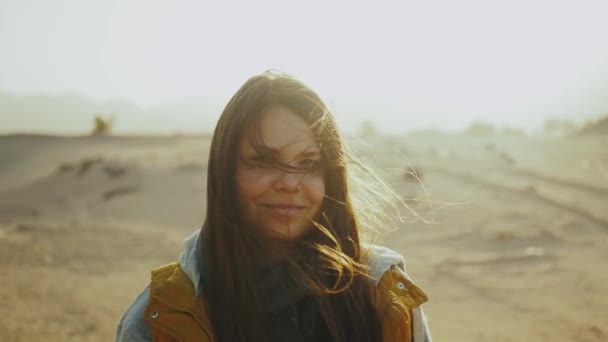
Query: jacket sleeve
x=132, y=326
x=420, y=326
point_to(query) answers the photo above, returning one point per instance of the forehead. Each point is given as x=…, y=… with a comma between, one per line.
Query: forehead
x=280, y=129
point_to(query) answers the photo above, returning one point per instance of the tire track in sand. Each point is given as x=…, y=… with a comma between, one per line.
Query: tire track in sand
x=524, y=191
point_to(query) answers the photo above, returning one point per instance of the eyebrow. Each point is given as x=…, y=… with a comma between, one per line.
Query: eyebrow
x=275, y=152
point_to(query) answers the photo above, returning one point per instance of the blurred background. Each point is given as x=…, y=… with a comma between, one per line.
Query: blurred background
x=490, y=120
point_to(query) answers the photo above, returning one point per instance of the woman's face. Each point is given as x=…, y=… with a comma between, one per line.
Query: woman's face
x=280, y=183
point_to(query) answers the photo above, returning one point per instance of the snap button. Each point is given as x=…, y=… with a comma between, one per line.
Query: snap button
x=154, y=314
x=401, y=285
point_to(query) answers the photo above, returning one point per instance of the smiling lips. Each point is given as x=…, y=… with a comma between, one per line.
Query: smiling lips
x=285, y=209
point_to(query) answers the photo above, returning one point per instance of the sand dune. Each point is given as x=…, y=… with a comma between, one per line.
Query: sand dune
x=515, y=250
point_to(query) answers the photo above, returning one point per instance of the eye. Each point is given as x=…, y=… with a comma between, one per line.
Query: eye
x=310, y=163
x=261, y=160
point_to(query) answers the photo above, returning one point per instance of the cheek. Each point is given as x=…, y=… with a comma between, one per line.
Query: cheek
x=250, y=189
x=315, y=187
x=247, y=192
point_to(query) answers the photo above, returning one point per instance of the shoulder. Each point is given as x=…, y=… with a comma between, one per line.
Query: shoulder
x=381, y=259
x=388, y=274
x=169, y=284
x=132, y=325
x=398, y=299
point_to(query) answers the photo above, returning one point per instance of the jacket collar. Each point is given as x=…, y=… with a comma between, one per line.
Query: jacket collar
x=189, y=259
x=380, y=261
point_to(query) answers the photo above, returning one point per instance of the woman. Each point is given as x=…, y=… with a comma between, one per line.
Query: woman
x=279, y=256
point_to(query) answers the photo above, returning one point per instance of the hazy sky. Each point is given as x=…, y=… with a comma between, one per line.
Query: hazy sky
x=403, y=64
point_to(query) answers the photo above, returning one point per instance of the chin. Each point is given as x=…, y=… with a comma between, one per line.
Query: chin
x=283, y=235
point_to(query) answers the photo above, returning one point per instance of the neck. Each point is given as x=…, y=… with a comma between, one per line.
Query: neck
x=275, y=251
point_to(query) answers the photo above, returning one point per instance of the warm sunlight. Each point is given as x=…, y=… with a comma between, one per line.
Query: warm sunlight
x=441, y=64
x=157, y=184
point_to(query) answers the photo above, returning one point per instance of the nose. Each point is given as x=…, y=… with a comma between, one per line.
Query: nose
x=288, y=182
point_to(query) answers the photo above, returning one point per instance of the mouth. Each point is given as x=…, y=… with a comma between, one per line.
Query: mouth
x=285, y=209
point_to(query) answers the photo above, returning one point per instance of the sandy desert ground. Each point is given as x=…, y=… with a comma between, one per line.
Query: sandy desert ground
x=516, y=247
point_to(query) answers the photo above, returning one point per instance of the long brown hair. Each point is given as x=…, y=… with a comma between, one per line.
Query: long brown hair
x=334, y=267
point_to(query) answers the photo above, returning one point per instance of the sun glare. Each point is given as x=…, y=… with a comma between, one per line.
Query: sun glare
x=443, y=63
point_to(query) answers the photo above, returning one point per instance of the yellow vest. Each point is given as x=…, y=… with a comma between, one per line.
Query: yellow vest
x=173, y=313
